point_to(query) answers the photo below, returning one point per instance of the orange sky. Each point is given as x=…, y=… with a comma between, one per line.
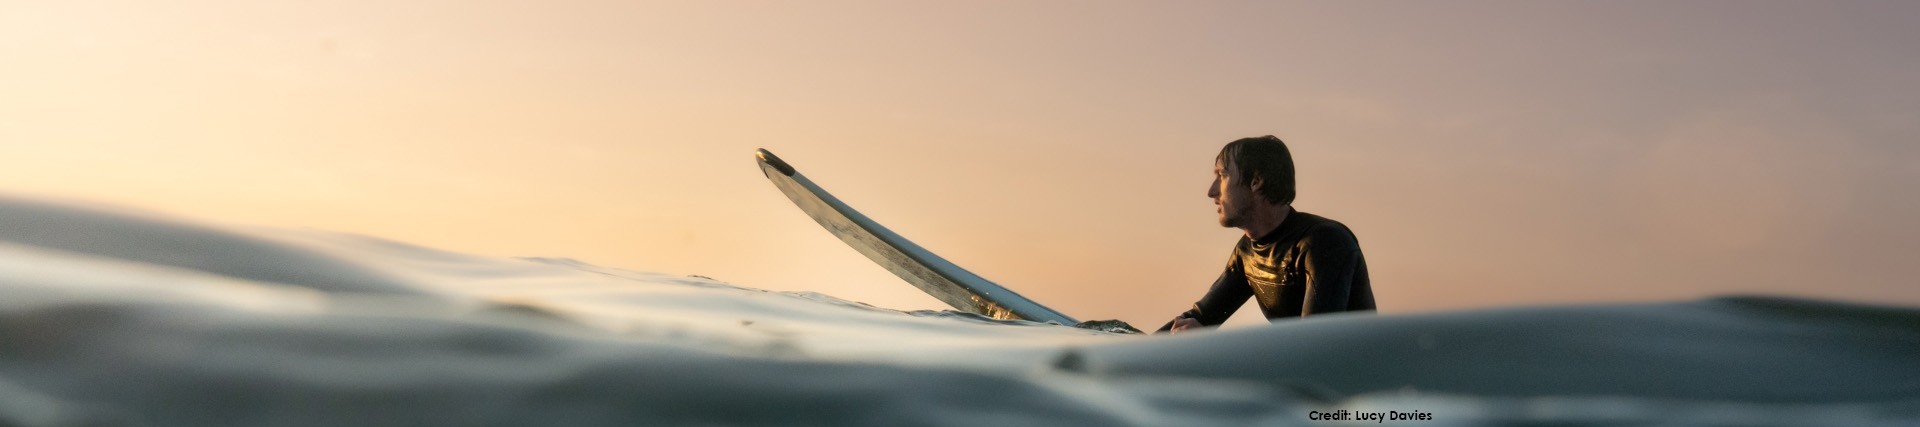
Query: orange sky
x=1487, y=154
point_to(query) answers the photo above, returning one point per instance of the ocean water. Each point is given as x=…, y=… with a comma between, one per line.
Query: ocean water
x=110, y=317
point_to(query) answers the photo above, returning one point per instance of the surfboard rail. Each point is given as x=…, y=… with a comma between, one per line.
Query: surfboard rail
x=919, y=267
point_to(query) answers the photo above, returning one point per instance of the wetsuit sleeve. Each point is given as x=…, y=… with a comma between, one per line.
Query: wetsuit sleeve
x=1332, y=258
x=1228, y=293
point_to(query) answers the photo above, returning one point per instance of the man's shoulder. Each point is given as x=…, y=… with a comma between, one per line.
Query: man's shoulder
x=1311, y=221
x=1316, y=227
x=1301, y=227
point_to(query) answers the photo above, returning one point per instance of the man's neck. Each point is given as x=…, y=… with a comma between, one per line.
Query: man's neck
x=1265, y=219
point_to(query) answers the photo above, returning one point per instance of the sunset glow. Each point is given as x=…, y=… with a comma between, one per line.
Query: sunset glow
x=1485, y=153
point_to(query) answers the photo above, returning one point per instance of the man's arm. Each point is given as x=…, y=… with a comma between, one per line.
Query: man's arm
x=1228, y=293
x=1332, y=259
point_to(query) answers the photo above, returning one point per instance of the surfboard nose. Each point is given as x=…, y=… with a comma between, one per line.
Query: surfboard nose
x=769, y=159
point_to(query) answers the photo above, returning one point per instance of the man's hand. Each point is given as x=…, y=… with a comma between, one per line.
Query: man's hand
x=1183, y=323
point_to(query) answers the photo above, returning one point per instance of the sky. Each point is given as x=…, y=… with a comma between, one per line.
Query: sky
x=1486, y=154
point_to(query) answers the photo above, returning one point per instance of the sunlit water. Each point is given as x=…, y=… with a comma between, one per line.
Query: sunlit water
x=116, y=318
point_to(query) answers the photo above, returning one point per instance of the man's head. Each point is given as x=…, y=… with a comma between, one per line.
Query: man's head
x=1248, y=167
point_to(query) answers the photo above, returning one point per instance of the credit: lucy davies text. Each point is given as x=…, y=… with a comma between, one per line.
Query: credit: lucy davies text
x=1378, y=417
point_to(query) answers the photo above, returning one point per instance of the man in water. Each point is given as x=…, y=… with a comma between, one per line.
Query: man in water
x=1293, y=263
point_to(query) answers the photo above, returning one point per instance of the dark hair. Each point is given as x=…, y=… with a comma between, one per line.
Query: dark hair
x=1266, y=158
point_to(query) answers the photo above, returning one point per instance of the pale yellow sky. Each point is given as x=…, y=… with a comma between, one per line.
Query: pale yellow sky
x=1486, y=153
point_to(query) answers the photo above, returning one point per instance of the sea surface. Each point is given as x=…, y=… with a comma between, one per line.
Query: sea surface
x=114, y=317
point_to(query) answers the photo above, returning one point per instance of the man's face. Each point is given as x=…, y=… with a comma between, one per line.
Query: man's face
x=1232, y=198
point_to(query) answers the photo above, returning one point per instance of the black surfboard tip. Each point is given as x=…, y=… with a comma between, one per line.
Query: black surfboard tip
x=772, y=160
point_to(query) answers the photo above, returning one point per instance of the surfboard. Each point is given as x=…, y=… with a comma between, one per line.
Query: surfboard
x=919, y=267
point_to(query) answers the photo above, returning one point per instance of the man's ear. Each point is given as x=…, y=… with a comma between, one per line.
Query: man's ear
x=1255, y=184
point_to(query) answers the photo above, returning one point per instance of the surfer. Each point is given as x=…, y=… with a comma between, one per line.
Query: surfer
x=1293, y=263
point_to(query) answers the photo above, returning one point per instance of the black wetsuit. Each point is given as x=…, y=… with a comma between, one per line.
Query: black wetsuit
x=1308, y=265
